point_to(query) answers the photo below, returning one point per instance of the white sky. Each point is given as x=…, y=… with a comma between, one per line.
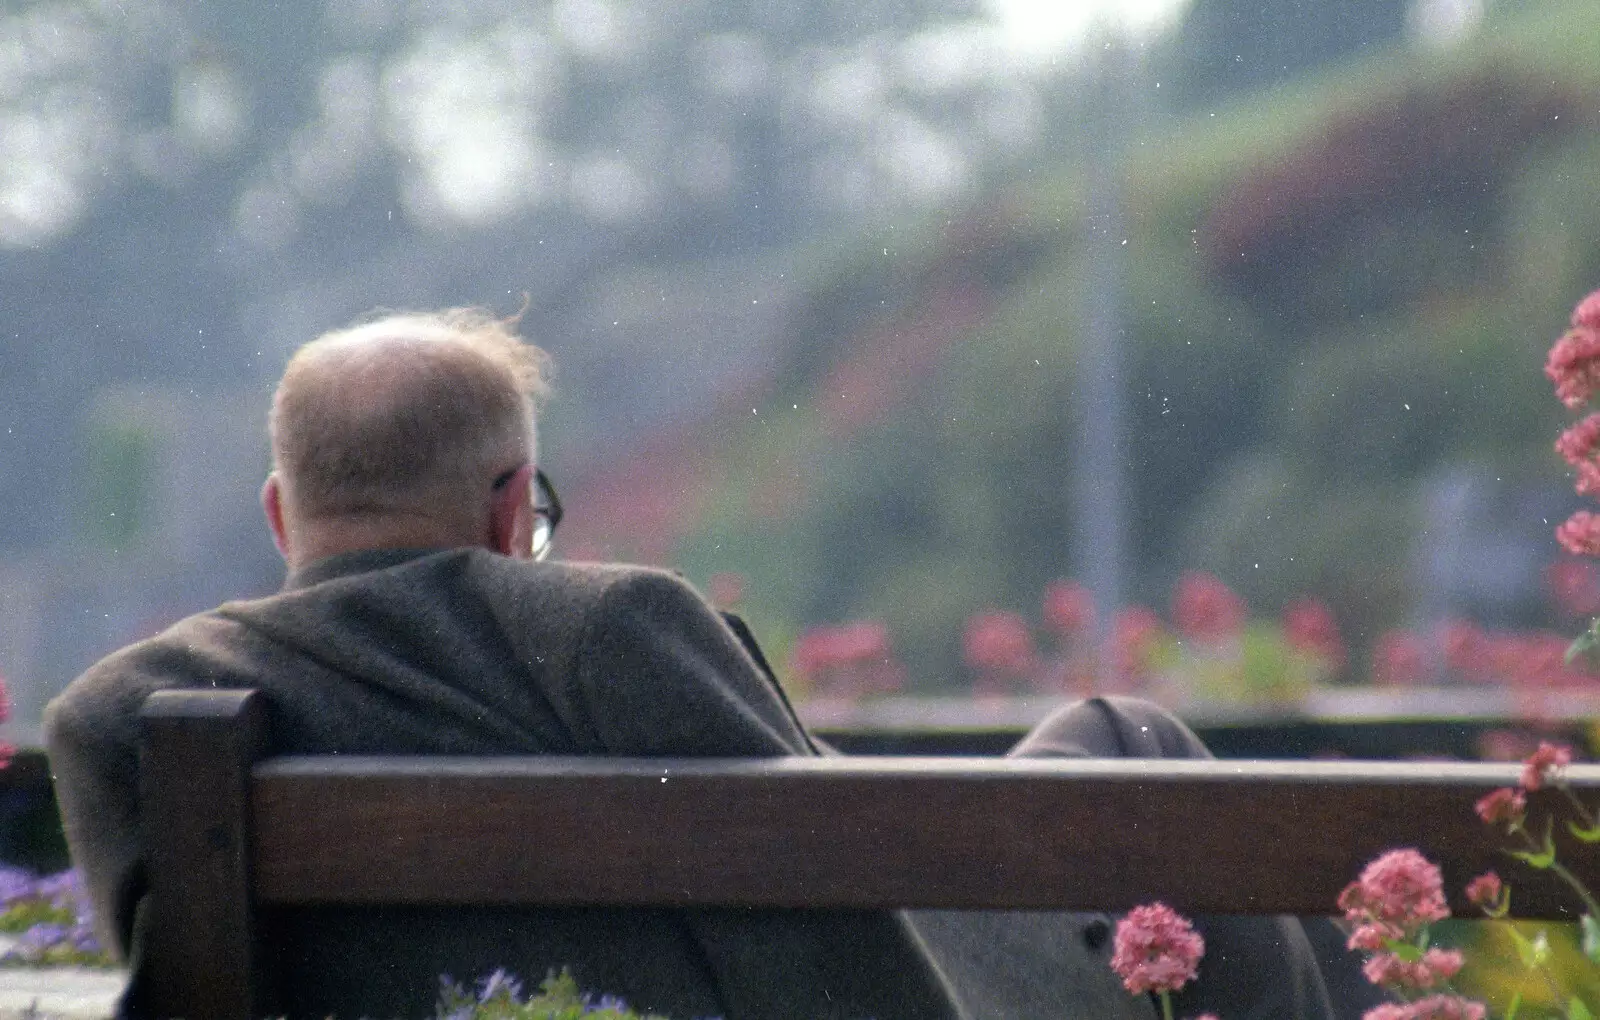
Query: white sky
x=1044, y=28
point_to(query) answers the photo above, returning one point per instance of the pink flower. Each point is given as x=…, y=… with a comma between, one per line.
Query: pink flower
x=1466, y=648
x=1587, y=313
x=1373, y=937
x=1155, y=950
x=1436, y=967
x=1206, y=609
x=998, y=641
x=1398, y=659
x=1574, y=365
x=1400, y=889
x=1134, y=634
x=1485, y=891
x=1579, y=443
x=1580, y=534
x=1574, y=586
x=1444, y=1007
x=1543, y=764
x=1578, y=446
x=1504, y=806
x=1434, y=1007
x=1309, y=625
x=1068, y=608
x=847, y=659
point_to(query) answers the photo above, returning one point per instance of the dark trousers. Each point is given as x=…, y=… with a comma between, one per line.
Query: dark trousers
x=1254, y=967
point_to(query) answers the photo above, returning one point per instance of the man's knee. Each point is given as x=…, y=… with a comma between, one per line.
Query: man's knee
x=1113, y=726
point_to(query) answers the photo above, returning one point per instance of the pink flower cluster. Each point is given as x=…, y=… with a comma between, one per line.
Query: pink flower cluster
x=1068, y=609
x=1396, y=895
x=1005, y=652
x=1574, y=367
x=1578, y=446
x=1309, y=626
x=1433, y=1007
x=1580, y=534
x=1135, y=634
x=1525, y=660
x=1435, y=967
x=1545, y=765
x=1505, y=806
x=1574, y=587
x=1574, y=361
x=998, y=641
x=1399, y=659
x=847, y=660
x=1488, y=892
x=1400, y=893
x=1155, y=950
x=1206, y=609
x=1508, y=806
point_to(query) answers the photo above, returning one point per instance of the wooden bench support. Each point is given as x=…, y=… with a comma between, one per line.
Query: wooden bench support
x=203, y=946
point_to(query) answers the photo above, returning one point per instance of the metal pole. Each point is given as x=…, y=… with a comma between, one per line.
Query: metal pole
x=1102, y=461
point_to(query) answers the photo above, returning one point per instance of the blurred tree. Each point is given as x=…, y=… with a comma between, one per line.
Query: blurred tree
x=1230, y=46
x=190, y=189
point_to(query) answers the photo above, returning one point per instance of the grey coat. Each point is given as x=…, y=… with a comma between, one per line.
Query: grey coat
x=466, y=652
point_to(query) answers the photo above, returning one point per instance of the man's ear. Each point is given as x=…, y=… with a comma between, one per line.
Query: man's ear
x=272, y=506
x=511, y=516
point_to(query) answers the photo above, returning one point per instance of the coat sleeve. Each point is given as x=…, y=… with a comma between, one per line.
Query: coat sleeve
x=662, y=674
x=91, y=736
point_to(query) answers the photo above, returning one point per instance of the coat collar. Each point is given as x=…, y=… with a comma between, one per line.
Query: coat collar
x=345, y=564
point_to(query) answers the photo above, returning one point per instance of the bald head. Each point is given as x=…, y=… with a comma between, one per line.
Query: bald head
x=404, y=420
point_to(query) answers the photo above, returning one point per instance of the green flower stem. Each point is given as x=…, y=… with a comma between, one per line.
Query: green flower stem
x=1577, y=805
x=1166, y=1006
x=1589, y=904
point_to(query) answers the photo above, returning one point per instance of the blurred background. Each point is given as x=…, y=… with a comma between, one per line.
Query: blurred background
x=971, y=350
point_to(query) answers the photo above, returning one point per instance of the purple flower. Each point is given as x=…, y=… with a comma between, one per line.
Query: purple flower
x=15, y=884
x=36, y=941
x=614, y=1003
x=63, y=889
x=500, y=983
x=84, y=940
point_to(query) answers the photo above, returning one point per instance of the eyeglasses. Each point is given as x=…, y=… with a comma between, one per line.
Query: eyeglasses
x=546, y=507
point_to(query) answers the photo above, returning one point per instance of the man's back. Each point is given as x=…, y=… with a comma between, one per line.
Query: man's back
x=466, y=652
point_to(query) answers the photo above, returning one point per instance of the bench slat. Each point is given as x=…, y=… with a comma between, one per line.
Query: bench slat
x=1204, y=836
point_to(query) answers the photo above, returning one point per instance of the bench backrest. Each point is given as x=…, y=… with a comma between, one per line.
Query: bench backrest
x=228, y=832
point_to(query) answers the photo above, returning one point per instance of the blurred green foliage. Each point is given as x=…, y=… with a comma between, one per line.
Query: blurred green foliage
x=121, y=466
x=1287, y=411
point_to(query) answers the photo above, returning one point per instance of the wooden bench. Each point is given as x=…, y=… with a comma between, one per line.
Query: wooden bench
x=230, y=832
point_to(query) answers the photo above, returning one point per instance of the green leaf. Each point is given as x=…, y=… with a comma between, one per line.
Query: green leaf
x=1585, y=833
x=1541, y=861
x=1591, y=938
x=1544, y=858
x=1406, y=951
x=1576, y=1010
x=1534, y=952
x=1584, y=644
x=1541, y=949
